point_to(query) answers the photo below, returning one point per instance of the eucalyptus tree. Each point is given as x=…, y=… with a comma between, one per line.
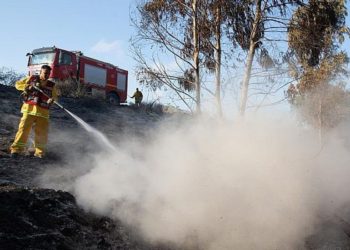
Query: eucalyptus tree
x=315, y=35
x=192, y=31
x=174, y=28
x=216, y=8
x=250, y=23
x=212, y=33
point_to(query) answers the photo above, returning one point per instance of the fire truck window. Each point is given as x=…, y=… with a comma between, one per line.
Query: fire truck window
x=42, y=58
x=65, y=59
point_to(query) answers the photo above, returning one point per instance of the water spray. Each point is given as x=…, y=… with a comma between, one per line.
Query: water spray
x=97, y=134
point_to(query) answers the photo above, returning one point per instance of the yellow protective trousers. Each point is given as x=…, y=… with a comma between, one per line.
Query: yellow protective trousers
x=41, y=126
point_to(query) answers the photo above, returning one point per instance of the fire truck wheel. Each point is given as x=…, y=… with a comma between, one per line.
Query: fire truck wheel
x=113, y=98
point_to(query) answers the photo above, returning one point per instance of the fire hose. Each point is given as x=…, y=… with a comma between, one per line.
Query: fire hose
x=42, y=92
x=97, y=134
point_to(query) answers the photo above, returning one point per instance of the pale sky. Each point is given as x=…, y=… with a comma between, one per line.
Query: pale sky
x=100, y=29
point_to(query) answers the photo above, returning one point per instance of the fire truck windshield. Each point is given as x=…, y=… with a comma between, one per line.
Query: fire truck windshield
x=42, y=58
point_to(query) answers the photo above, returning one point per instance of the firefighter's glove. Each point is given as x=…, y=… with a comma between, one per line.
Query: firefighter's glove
x=36, y=86
x=49, y=101
x=28, y=88
x=24, y=94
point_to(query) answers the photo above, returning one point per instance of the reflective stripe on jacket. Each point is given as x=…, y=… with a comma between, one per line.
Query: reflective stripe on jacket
x=36, y=102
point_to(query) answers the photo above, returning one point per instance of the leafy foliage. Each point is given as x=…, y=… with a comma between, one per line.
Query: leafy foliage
x=315, y=33
x=316, y=29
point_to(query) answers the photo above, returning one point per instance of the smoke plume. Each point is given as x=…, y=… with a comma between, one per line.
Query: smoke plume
x=258, y=184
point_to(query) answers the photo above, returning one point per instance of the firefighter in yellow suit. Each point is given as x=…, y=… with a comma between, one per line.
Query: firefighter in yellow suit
x=35, y=111
x=138, y=97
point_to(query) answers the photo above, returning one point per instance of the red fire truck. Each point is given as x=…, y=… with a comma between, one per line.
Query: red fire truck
x=73, y=67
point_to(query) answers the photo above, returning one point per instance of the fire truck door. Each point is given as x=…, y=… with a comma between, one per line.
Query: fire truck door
x=67, y=67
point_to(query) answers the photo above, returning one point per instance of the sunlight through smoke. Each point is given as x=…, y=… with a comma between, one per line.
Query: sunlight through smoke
x=257, y=184
x=252, y=185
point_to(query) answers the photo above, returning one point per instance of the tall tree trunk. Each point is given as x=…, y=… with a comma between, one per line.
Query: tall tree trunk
x=320, y=116
x=196, y=56
x=218, y=59
x=248, y=68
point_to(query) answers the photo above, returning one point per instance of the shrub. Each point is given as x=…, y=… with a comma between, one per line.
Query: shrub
x=9, y=76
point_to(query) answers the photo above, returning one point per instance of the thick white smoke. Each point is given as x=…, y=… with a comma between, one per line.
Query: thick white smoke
x=259, y=184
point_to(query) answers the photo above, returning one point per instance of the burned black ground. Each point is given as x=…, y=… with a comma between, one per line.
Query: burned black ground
x=34, y=217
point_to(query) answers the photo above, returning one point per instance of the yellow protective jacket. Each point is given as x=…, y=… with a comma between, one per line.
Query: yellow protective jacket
x=31, y=109
x=138, y=96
